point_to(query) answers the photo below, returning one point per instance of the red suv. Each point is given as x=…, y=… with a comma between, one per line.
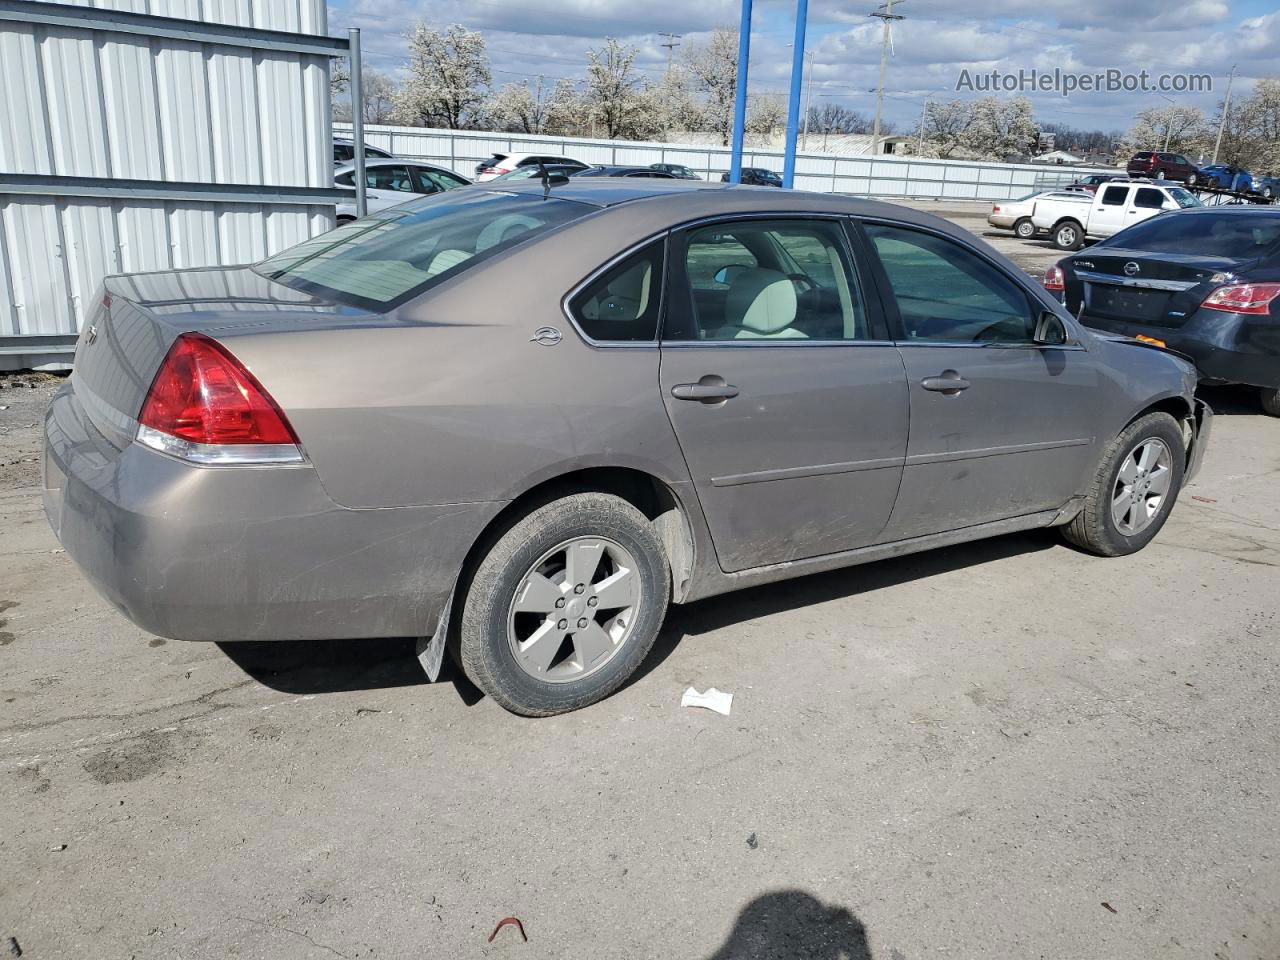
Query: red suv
x=1161, y=166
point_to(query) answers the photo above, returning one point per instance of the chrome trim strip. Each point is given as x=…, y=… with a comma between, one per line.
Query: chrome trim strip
x=754, y=342
x=1142, y=283
x=797, y=473
x=920, y=459
x=221, y=455
x=993, y=345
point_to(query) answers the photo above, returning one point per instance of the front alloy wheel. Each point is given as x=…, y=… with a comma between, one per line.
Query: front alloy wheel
x=1134, y=489
x=1141, y=486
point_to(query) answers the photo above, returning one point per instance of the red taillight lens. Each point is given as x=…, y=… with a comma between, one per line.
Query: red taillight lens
x=995, y=208
x=1243, y=298
x=1055, y=279
x=492, y=170
x=203, y=394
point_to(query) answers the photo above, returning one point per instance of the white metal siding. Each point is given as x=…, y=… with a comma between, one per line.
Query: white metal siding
x=80, y=102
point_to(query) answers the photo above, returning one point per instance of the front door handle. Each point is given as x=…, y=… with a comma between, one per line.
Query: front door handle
x=709, y=389
x=950, y=383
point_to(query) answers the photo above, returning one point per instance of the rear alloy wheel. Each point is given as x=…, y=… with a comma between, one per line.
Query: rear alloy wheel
x=565, y=605
x=1160, y=175
x=1068, y=236
x=1024, y=229
x=1271, y=401
x=1266, y=193
x=1135, y=488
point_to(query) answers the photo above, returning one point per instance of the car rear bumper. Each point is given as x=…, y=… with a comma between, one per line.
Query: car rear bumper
x=1229, y=347
x=1000, y=220
x=243, y=553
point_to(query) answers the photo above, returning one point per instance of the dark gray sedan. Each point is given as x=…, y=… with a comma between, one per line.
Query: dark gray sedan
x=519, y=427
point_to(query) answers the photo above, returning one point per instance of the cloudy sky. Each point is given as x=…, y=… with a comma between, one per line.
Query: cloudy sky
x=936, y=41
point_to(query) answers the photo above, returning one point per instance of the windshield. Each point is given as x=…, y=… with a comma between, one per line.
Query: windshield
x=1184, y=198
x=381, y=261
x=1236, y=236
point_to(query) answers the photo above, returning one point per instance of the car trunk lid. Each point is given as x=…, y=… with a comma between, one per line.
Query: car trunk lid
x=1133, y=286
x=135, y=319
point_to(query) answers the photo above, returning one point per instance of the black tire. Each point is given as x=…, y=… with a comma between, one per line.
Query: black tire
x=484, y=651
x=1093, y=528
x=1271, y=400
x=1024, y=228
x=1068, y=235
x=1191, y=180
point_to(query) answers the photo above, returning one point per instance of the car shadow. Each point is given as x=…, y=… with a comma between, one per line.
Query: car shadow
x=336, y=666
x=794, y=925
x=1232, y=400
x=715, y=613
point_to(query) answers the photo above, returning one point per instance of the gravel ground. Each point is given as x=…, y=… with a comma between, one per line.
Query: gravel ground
x=1005, y=749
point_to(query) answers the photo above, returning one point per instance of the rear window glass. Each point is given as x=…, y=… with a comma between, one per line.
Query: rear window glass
x=1236, y=236
x=384, y=259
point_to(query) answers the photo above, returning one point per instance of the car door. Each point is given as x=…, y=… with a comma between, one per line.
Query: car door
x=1000, y=426
x=387, y=185
x=1108, y=213
x=788, y=399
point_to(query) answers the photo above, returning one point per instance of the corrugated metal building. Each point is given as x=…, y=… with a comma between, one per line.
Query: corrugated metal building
x=143, y=135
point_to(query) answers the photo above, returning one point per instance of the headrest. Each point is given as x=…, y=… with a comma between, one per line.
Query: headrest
x=761, y=300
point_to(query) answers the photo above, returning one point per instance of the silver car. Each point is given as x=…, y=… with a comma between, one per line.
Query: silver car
x=518, y=426
x=391, y=182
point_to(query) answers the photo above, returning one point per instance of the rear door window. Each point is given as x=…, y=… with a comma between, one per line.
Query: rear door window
x=1114, y=196
x=781, y=280
x=389, y=178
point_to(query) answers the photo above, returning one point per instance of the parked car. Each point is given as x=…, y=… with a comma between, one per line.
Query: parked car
x=678, y=170
x=392, y=182
x=756, y=177
x=1224, y=176
x=1114, y=207
x=499, y=420
x=530, y=172
x=1203, y=282
x=1015, y=215
x=645, y=172
x=1091, y=183
x=344, y=151
x=1161, y=166
x=501, y=163
x=1266, y=186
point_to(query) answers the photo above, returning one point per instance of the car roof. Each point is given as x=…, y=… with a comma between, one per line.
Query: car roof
x=697, y=199
x=371, y=162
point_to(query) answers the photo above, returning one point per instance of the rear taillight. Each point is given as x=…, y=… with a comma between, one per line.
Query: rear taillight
x=205, y=406
x=492, y=170
x=995, y=208
x=1055, y=279
x=1243, y=298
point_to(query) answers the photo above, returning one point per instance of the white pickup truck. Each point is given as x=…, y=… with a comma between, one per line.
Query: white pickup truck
x=1114, y=207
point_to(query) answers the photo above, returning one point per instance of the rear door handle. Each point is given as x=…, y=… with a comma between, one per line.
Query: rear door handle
x=710, y=389
x=949, y=383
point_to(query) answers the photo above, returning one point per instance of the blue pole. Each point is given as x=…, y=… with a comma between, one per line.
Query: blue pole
x=740, y=94
x=793, y=110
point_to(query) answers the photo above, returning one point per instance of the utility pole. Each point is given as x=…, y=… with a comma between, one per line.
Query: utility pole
x=1226, y=108
x=920, y=140
x=671, y=44
x=887, y=16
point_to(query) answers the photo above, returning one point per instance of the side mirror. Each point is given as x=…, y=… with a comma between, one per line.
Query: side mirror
x=1050, y=330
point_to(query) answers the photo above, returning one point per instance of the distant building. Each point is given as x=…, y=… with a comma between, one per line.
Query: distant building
x=1058, y=157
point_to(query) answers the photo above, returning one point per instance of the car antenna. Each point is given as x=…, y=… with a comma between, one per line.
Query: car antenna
x=546, y=179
